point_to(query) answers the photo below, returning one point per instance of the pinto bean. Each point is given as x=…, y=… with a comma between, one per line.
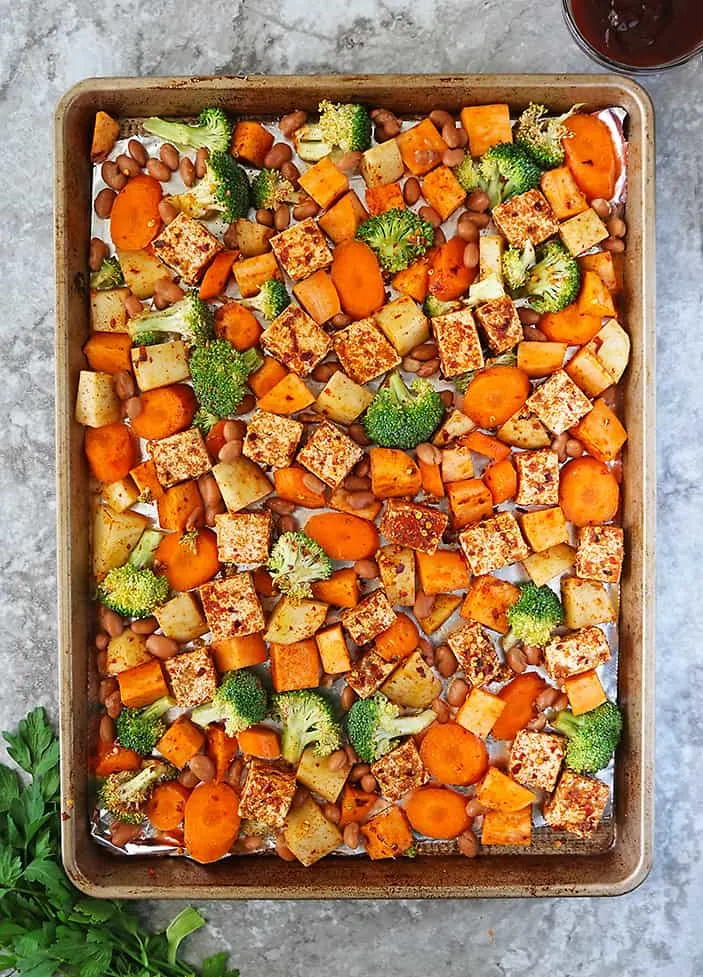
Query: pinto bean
x=97, y=253
x=439, y=238
x=281, y=507
x=337, y=760
x=411, y=191
x=517, y=660
x=158, y=170
x=264, y=217
x=480, y=219
x=347, y=698
x=428, y=369
x=281, y=217
x=358, y=771
x=441, y=710
x=147, y=625
x=167, y=212
x=127, y=166
x=277, y=155
x=323, y=371
x=161, y=647
x=601, y=207
x=112, y=176
x=103, y=202
x=291, y=172
x=170, y=156
x=106, y=730
x=451, y=136
x=445, y=661
x=431, y=215
x=124, y=384
x=423, y=604
x=467, y=843
x=201, y=158
x=203, y=768
x=441, y=118
x=356, y=483
x=366, y=569
x=478, y=200
x=113, y=704
x=187, y=171
x=110, y=621
x=471, y=255
x=121, y=834
x=291, y=122
x=358, y=434
x=467, y=229
x=133, y=306
x=137, y=151
x=230, y=451
x=234, y=430
x=351, y=835
x=304, y=210
x=475, y=809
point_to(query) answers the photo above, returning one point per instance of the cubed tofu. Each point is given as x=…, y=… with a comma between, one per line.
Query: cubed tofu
x=329, y=454
x=586, y=602
x=301, y=249
x=342, y=400
x=418, y=527
x=308, y=833
x=490, y=256
x=493, y=543
x=577, y=805
x=187, y=246
x=243, y=537
x=141, y=271
x=396, y=566
x=241, y=483
x=600, y=553
x=296, y=340
x=579, y=651
x=371, y=615
x=314, y=772
x=526, y=217
x=413, y=685
x=563, y=193
x=293, y=621
x=192, y=677
x=271, y=440
x=476, y=654
x=550, y=563
x=400, y=771
x=536, y=759
x=180, y=457
x=181, y=618
x=501, y=323
x=382, y=164
x=364, y=351
x=232, y=607
x=545, y=528
x=403, y=323
x=267, y=793
x=457, y=342
x=97, y=403
x=107, y=310
x=538, y=477
x=583, y=232
x=456, y=425
x=126, y=650
x=369, y=673
x=523, y=430
x=160, y=365
x=559, y=403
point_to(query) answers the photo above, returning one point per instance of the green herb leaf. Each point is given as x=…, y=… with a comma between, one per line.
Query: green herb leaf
x=216, y=966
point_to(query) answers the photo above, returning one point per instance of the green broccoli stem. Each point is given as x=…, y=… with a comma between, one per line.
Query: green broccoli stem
x=399, y=388
x=566, y=722
x=177, y=132
x=206, y=714
x=142, y=555
x=157, y=709
x=252, y=360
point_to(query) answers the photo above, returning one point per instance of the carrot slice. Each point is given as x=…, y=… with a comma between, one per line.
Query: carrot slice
x=343, y=536
x=519, y=696
x=495, y=394
x=166, y=807
x=233, y=321
x=437, y=812
x=588, y=492
x=211, y=822
x=190, y=561
x=217, y=275
x=356, y=274
x=453, y=755
x=134, y=219
x=449, y=277
x=165, y=411
x=590, y=155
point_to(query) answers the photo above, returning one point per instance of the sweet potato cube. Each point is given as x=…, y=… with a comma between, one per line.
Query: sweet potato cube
x=240, y=652
x=393, y=474
x=486, y=126
x=295, y=666
x=176, y=504
x=442, y=571
x=341, y=590
x=388, y=834
x=513, y=828
x=500, y=793
x=480, y=712
x=601, y=432
x=422, y=138
x=585, y=692
x=324, y=182
x=251, y=273
x=442, y=191
x=469, y=501
x=333, y=650
x=603, y=263
x=251, y=142
x=488, y=601
x=143, y=684
x=105, y=133
x=318, y=296
x=288, y=396
x=563, y=193
x=388, y=196
x=540, y=359
x=145, y=478
x=545, y=528
x=181, y=742
x=341, y=221
x=594, y=297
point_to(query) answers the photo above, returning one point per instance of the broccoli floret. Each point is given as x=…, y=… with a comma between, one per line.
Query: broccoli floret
x=108, y=275
x=516, y=265
x=271, y=300
x=433, y=306
x=126, y=794
x=219, y=373
x=223, y=190
x=205, y=421
x=397, y=237
x=507, y=170
x=554, y=282
x=212, y=131
x=402, y=417
x=374, y=726
x=134, y=590
x=239, y=702
x=533, y=616
x=295, y=562
x=344, y=127
x=307, y=718
x=468, y=174
x=592, y=736
x=141, y=729
x=269, y=189
x=541, y=136
x=189, y=318
x=509, y=358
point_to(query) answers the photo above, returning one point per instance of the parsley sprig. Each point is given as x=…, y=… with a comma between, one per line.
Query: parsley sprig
x=47, y=927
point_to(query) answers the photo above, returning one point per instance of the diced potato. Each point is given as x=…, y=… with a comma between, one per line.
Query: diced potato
x=115, y=534
x=490, y=256
x=396, y=565
x=96, y=400
x=457, y=463
x=291, y=622
x=141, y=272
x=241, y=482
x=588, y=373
x=121, y=495
x=480, y=712
x=524, y=430
x=160, y=365
x=126, y=651
x=586, y=602
x=583, y=231
x=315, y=774
x=342, y=400
x=456, y=425
x=181, y=618
x=107, y=311
x=251, y=238
x=308, y=833
x=413, y=684
x=611, y=346
x=403, y=323
x=442, y=609
x=382, y=164
x=545, y=566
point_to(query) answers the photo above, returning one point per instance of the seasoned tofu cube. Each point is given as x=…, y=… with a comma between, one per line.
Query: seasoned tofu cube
x=342, y=400
x=600, y=552
x=583, y=232
x=457, y=342
x=96, y=401
x=241, y=483
x=330, y=455
x=232, y=607
x=308, y=833
x=267, y=793
x=296, y=340
x=577, y=804
x=403, y=323
x=536, y=759
x=456, y=425
x=271, y=440
x=490, y=256
x=160, y=365
x=382, y=164
x=400, y=771
x=559, y=403
x=493, y=543
x=499, y=320
x=243, y=537
x=419, y=527
x=371, y=615
x=538, y=477
x=314, y=773
x=396, y=566
x=180, y=457
x=586, y=602
x=545, y=528
x=364, y=351
x=181, y=618
x=107, y=310
x=369, y=673
x=192, y=677
x=571, y=654
x=187, y=246
x=550, y=563
x=526, y=217
x=301, y=249
x=475, y=653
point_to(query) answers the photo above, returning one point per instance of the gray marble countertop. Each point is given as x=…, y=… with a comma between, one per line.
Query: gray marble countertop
x=47, y=47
